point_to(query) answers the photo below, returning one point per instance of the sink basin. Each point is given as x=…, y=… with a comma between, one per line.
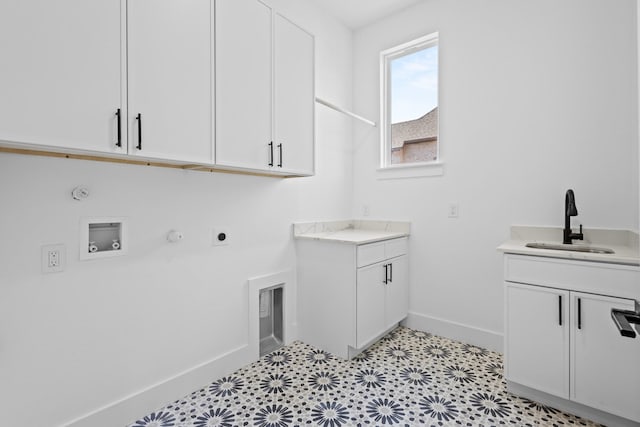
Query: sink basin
x=573, y=248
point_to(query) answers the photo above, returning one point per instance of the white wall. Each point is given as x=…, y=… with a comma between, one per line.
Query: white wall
x=535, y=97
x=74, y=342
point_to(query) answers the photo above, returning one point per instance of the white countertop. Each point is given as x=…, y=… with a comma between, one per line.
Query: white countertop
x=355, y=232
x=624, y=243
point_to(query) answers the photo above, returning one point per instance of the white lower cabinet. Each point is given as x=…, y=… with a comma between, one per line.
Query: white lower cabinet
x=349, y=295
x=537, y=338
x=381, y=298
x=605, y=367
x=563, y=342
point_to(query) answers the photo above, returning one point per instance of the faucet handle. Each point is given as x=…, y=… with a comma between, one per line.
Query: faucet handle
x=580, y=228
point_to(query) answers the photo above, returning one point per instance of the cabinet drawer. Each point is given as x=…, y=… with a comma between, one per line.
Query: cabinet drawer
x=370, y=254
x=395, y=247
x=379, y=251
x=592, y=277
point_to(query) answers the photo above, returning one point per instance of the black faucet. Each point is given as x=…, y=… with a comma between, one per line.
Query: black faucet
x=569, y=211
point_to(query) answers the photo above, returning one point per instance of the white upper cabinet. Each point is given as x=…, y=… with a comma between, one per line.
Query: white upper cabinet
x=294, y=97
x=243, y=84
x=226, y=83
x=170, y=79
x=264, y=90
x=60, y=73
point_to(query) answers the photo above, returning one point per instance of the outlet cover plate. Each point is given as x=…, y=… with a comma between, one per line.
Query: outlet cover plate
x=53, y=258
x=453, y=210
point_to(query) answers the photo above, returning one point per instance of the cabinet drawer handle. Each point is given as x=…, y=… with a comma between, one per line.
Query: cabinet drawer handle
x=560, y=310
x=391, y=272
x=386, y=274
x=280, y=149
x=271, y=153
x=579, y=313
x=119, y=131
x=139, y=119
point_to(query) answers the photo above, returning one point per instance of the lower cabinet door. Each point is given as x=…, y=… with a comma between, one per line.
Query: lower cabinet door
x=397, y=301
x=370, y=302
x=537, y=338
x=605, y=366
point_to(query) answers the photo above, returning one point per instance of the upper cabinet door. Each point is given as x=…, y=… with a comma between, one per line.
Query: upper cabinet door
x=60, y=73
x=244, y=85
x=294, y=97
x=170, y=79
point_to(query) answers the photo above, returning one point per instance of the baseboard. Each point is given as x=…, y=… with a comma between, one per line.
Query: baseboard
x=570, y=407
x=457, y=331
x=129, y=408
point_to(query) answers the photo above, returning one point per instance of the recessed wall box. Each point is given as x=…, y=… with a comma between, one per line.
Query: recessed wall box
x=221, y=236
x=103, y=237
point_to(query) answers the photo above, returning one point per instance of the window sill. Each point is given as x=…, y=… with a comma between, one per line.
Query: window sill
x=411, y=171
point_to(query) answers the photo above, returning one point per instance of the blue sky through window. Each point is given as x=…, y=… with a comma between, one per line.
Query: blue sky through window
x=414, y=84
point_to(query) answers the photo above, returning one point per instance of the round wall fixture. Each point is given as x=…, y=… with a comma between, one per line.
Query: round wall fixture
x=80, y=193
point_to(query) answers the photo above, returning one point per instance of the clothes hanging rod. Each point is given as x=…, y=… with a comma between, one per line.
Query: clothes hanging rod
x=342, y=110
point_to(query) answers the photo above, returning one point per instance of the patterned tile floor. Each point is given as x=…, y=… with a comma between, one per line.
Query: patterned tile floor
x=408, y=378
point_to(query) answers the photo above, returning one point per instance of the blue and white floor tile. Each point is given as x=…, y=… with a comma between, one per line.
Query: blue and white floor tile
x=408, y=378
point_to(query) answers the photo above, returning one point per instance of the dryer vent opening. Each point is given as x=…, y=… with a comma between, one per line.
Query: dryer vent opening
x=271, y=306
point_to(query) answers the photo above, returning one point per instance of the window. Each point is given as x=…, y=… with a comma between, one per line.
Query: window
x=410, y=104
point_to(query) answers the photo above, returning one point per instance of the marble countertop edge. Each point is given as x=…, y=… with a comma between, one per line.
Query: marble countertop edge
x=351, y=231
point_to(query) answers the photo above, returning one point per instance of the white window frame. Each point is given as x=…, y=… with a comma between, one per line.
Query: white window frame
x=387, y=170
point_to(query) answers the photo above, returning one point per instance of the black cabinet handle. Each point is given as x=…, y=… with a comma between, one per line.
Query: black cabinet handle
x=280, y=149
x=139, y=119
x=119, y=143
x=560, y=310
x=386, y=274
x=271, y=153
x=391, y=272
x=579, y=313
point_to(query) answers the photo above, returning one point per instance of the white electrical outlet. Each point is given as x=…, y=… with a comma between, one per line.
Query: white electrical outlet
x=453, y=210
x=221, y=236
x=53, y=258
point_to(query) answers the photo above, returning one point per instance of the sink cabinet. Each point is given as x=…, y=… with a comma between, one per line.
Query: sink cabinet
x=560, y=338
x=350, y=295
x=604, y=366
x=537, y=329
